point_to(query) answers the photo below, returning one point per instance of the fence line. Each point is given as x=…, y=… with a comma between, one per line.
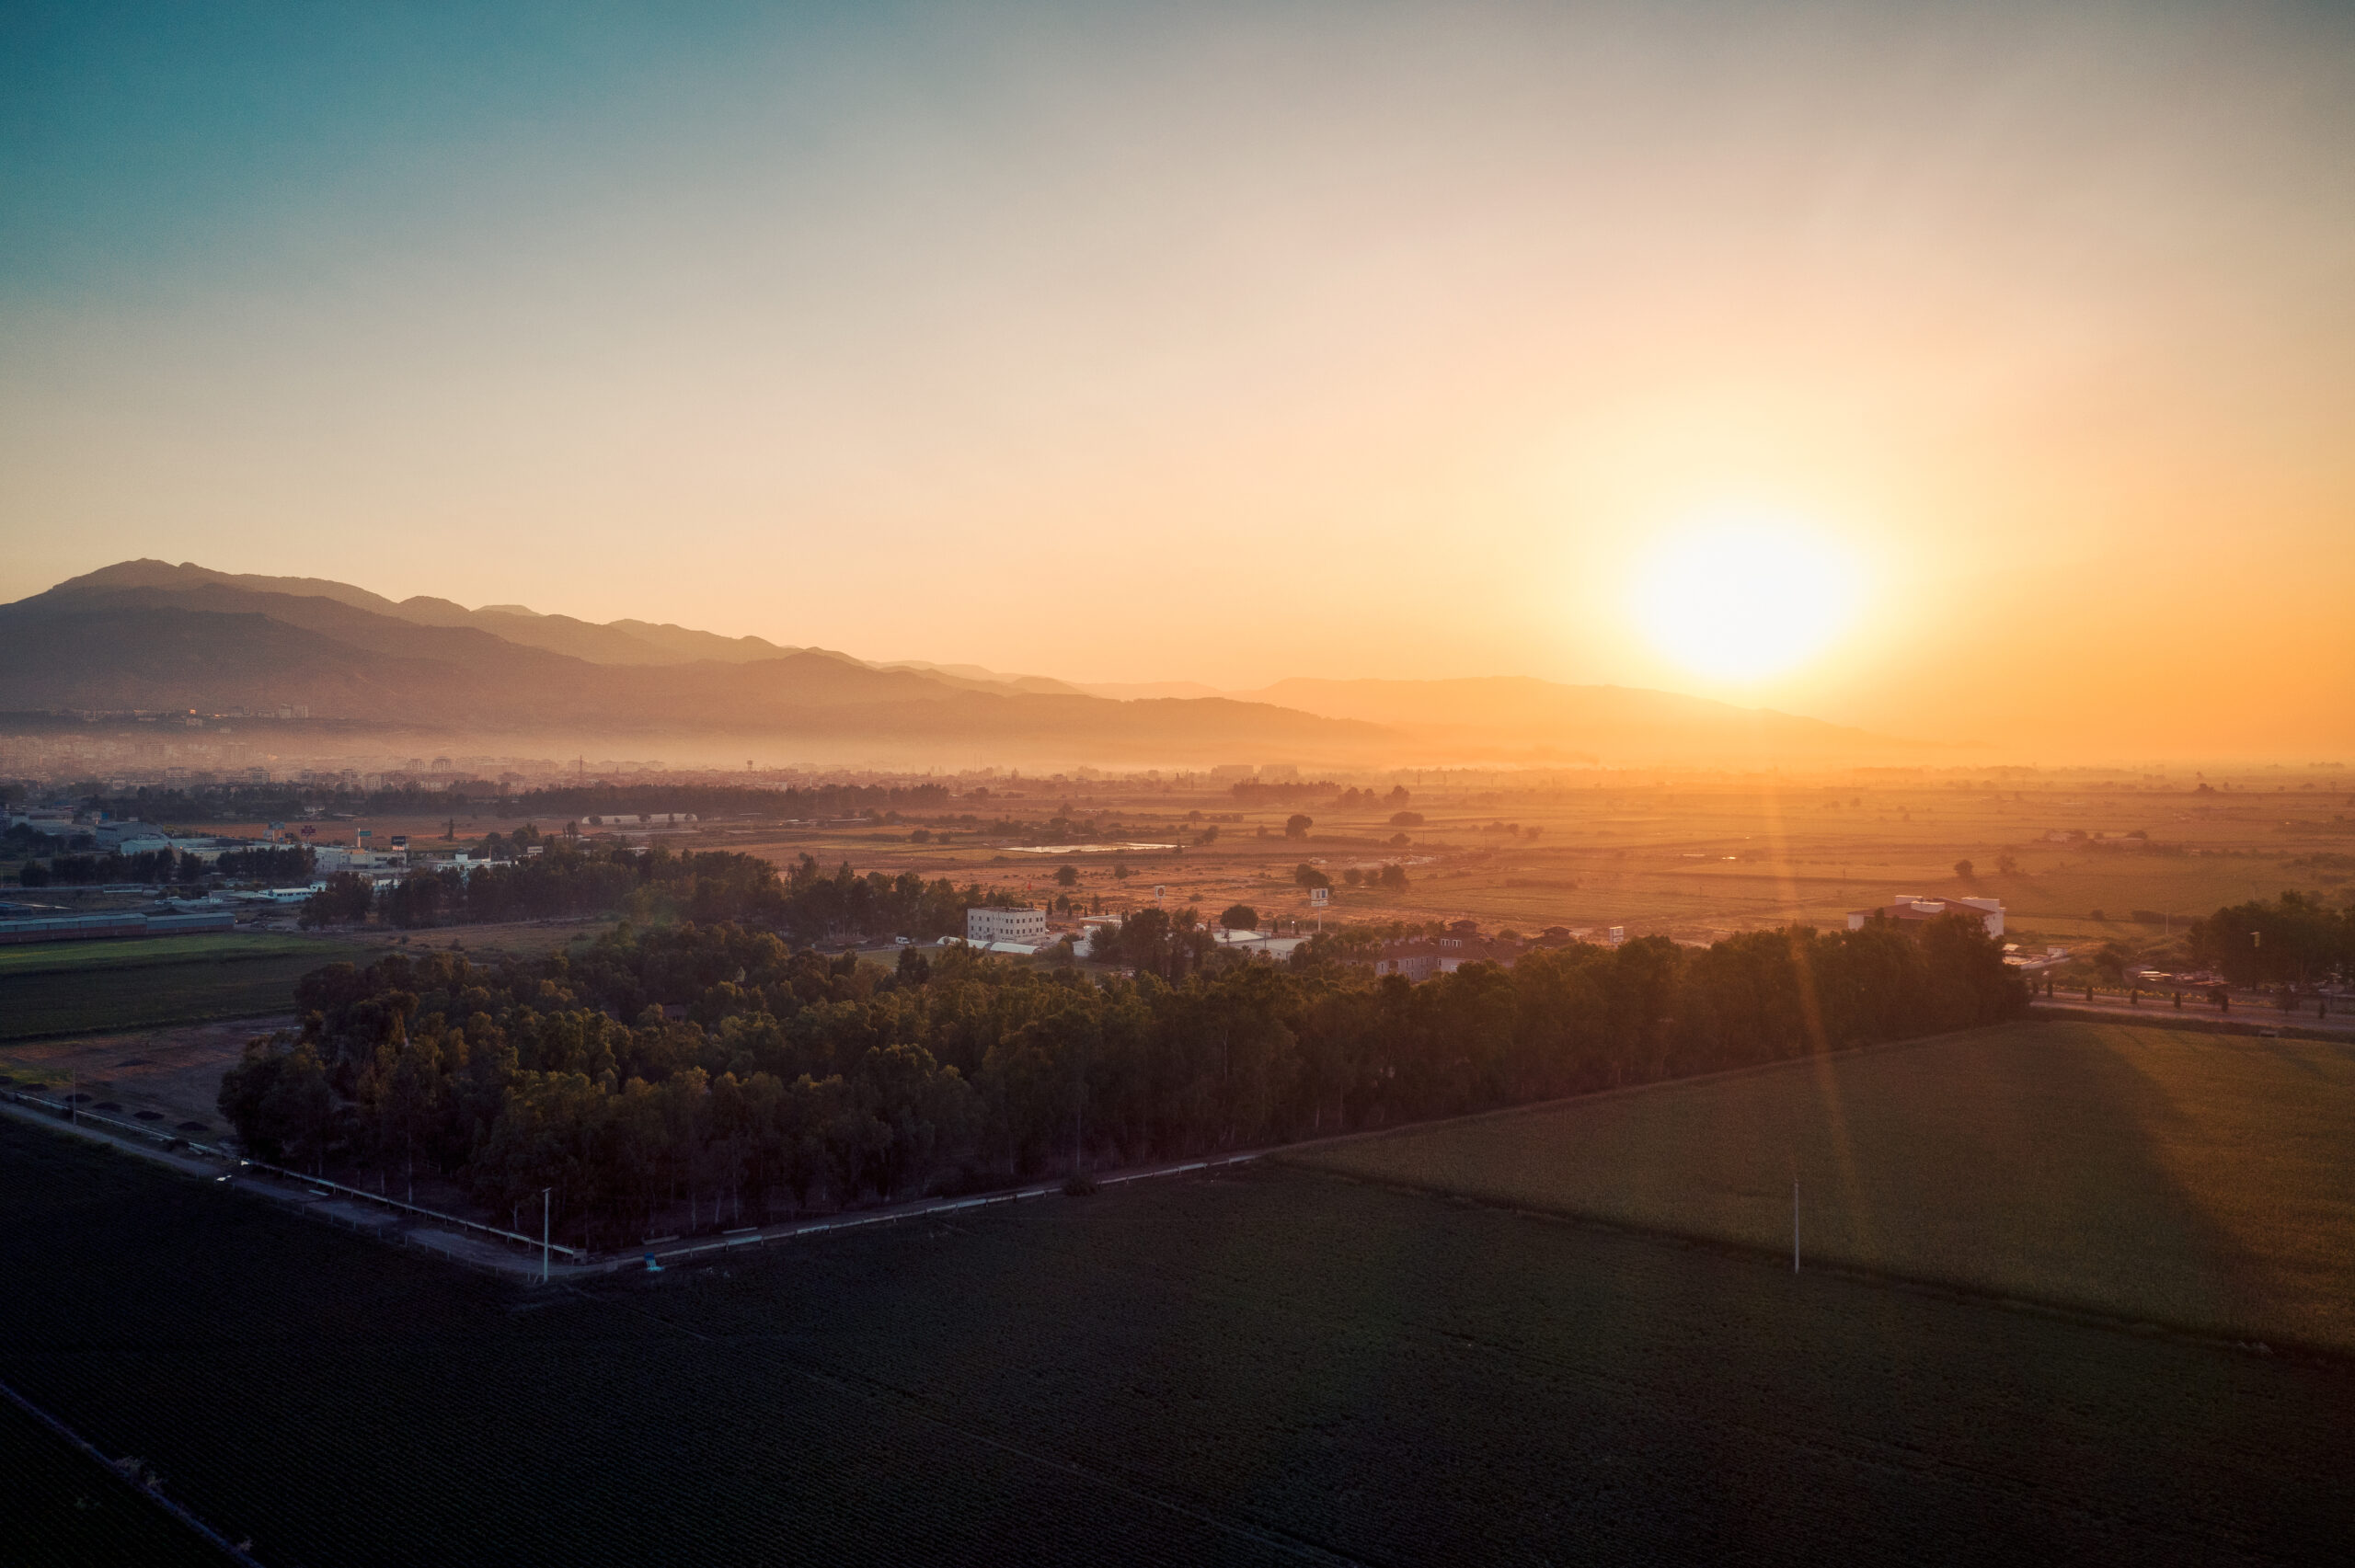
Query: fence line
x=2186, y=996
x=432, y=1214
x=76, y=1113
x=153, y=1492
x=947, y=1206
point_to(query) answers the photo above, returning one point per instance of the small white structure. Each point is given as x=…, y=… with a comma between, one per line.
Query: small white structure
x=1912, y=907
x=1027, y=926
x=1274, y=946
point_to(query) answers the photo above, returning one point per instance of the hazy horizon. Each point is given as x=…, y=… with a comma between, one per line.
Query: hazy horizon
x=1234, y=345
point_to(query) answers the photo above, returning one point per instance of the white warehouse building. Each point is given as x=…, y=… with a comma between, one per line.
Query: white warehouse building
x=1006, y=925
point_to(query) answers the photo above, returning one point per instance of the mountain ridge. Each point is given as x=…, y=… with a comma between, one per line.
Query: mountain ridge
x=149, y=635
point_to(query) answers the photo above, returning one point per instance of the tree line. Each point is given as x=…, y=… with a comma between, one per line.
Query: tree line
x=158, y=867
x=2295, y=940
x=289, y=800
x=566, y=878
x=713, y=1074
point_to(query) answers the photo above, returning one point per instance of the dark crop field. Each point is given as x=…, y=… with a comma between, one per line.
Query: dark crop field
x=60, y=1508
x=1278, y=1366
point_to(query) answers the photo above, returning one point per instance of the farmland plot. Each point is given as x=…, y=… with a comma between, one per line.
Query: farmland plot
x=2195, y=1180
x=1274, y=1368
x=63, y=995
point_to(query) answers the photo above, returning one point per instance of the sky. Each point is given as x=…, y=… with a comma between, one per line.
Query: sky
x=1231, y=343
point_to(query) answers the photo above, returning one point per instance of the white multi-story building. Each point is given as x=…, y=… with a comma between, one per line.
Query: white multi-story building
x=1006, y=925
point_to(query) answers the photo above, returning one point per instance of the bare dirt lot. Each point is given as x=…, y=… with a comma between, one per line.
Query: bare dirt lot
x=167, y=1076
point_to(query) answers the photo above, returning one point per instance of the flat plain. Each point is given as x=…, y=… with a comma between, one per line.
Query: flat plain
x=2190, y=1179
x=1278, y=1366
x=1692, y=854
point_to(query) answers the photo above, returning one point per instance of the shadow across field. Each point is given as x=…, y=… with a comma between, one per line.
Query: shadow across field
x=2142, y=1173
x=1272, y=1367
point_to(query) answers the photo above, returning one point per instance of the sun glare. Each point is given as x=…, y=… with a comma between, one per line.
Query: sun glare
x=1741, y=600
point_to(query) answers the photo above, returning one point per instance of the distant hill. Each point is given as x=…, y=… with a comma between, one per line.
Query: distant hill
x=153, y=636
x=148, y=635
x=616, y=642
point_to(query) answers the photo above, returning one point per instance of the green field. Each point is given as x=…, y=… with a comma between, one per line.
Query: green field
x=2190, y=1179
x=1275, y=1366
x=110, y=991
x=138, y=952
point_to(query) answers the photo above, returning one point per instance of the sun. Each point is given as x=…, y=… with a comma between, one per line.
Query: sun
x=1740, y=599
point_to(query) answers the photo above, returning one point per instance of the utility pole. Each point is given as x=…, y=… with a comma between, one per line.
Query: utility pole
x=1795, y=1223
x=544, y=1236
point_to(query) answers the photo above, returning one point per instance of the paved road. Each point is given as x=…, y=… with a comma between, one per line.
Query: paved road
x=2243, y=1019
x=359, y=1211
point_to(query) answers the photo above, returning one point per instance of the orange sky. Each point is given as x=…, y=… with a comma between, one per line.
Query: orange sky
x=1232, y=345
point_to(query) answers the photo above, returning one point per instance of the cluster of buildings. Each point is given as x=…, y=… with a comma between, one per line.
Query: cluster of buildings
x=1417, y=958
x=1912, y=909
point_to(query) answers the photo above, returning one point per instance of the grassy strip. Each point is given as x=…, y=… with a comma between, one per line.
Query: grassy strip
x=140, y=953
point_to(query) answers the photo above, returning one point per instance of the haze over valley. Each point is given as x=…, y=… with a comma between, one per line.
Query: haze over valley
x=1177, y=783
x=144, y=638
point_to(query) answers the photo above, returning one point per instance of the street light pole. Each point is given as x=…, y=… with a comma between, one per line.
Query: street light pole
x=543, y=1234
x=1795, y=1223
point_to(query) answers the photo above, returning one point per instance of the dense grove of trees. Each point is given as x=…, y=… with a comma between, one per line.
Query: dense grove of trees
x=569, y=879
x=202, y=803
x=2293, y=940
x=705, y=1074
x=281, y=863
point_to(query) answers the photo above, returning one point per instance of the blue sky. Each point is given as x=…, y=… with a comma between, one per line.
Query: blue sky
x=1336, y=341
